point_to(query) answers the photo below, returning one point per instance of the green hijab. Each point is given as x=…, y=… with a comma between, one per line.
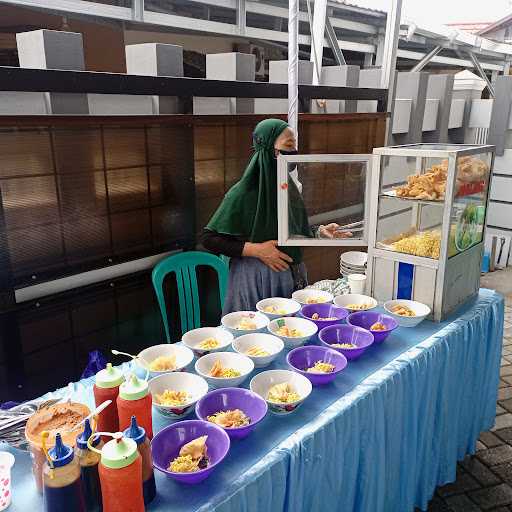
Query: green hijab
x=249, y=208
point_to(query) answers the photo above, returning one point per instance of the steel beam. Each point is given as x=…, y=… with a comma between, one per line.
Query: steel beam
x=425, y=60
x=317, y=30
x=51, y=80
x=138, y=10
x=334, y=43
x=481, y=72
x=241, y=16
x=391, y=45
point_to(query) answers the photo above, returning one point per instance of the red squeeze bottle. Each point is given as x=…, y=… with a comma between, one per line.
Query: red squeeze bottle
x=120, y=471
x=106, y=387
x=135, y=400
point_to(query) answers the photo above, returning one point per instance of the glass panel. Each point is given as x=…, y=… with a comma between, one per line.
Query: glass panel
x=436, y=147
x=333, y=196
x=468, y=212
x=414, y=178
x=409, y=227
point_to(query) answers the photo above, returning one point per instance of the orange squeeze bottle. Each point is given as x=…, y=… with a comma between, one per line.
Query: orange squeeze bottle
x=106, y=387
x=120, y=471
x=135, y=400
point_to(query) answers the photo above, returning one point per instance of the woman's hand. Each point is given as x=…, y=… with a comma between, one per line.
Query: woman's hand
x=332, y=231
x=269, y=254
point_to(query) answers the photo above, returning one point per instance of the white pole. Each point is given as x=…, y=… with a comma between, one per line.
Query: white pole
x=293, y=66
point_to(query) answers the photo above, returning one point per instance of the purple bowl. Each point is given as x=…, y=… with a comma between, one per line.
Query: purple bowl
x=366, y=319
x=233, y=398
x=166, y=445
x=301, y=358
x=324, y=311
x=346, y=334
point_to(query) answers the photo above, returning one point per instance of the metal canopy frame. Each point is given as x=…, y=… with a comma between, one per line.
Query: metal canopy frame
x=362, y=28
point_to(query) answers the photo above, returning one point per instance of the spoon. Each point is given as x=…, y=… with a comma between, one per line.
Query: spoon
x=96, y=411
x=141, y=359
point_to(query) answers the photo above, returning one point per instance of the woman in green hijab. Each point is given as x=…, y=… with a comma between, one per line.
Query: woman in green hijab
x=244, y=227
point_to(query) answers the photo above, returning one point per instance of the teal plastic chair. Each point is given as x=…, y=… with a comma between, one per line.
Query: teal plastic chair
x=184, y=266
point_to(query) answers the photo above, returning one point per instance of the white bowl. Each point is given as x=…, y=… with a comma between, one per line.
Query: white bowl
x=355, y=298
x=193, y=338
x=302, y=296
x=193, y=384
x=289, y=306
x=420, y=310
x=184, y=357
x=307, y=327
x=238, y=362
x=268, y=342
x=231, y=321
x=354, y=258
x=261, y=383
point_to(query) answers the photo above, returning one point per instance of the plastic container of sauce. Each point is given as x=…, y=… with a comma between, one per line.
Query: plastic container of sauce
x=135, y=400
x=89, y=461
x=106, y=387
x=62, y=486
x=120, y=471
x=59, y=417
x=138, y=434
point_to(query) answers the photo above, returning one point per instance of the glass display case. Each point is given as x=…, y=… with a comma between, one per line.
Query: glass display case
x=323, y=199
x=427, y=222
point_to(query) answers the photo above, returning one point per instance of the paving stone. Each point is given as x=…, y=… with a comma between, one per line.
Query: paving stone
x=464, y=483
x=490, y=440
x=507, y=358
x=506, y=370
x=437, y=505
x=483, y=474
x=505, y=393
x=499, y=410
x=507, y=404
x=502, y=421
x=480, y=446
x=496, y=455
x=504, y=471
x=506, y=351
x=504, y=362
x=505, y=434
x=503, y=384
x=461, y=503
x=492, y=496
x=507, y=342
x=507, y=379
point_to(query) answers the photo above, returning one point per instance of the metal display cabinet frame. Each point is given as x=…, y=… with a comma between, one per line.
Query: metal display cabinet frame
x=286, y=165
x=444, y=283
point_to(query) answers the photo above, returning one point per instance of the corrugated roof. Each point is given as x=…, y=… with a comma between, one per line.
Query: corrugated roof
x=363, y=8
x=507, y=20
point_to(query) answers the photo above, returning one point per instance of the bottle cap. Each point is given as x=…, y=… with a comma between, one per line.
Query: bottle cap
x=119, y=452
x=60, y=454
x=133, y=388
x=109, y=377
x=81, y=440
x=138, y=434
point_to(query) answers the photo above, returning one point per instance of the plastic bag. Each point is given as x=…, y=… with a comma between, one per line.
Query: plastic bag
x=97, y=362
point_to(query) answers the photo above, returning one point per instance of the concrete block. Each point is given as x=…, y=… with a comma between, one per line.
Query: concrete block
x=51, y=49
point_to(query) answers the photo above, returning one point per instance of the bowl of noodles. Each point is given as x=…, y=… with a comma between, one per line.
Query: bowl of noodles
x=207, y=339
x=164, y=358
x=320, y=365
x=293, y=331
x=244, y=322
x=324, y=315
x=188, y=451
x=349, y=340
x=224, y=369
x=283, y=390
x=276, y=307
x=236, y=410
x=262, y=348
x=312, y=296
x=175, y=394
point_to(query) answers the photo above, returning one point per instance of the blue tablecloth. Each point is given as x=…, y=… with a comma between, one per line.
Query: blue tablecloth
x=380, y=438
